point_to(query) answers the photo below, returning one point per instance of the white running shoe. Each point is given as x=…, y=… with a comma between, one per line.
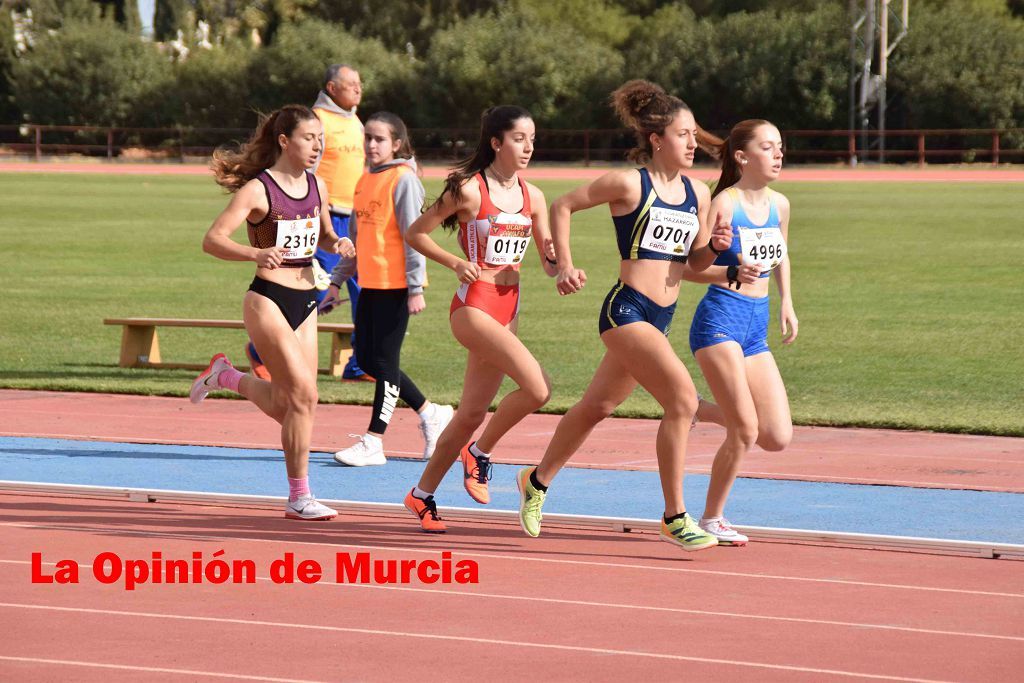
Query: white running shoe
x=432, y=425
x=369, y=450
x=308, y=508
x=720, y=528
x=207, y=379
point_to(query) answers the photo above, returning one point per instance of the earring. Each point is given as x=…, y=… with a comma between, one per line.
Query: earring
x=657, y=149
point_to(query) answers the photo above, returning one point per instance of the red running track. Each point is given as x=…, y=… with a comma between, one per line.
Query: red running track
x=571, y=605
x=863, y=456
x=794, y=174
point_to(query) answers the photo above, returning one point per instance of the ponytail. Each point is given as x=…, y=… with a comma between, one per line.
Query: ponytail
x=233, y=169
x=494, y=123
x=740, y=135
x=647, y=108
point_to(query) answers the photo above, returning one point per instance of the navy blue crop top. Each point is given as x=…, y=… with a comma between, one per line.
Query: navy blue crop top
x=656, y=230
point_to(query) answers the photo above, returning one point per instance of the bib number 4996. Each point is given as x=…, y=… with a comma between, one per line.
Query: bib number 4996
x=764, y=247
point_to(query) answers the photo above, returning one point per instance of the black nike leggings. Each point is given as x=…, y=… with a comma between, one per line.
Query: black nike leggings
x=382, y=316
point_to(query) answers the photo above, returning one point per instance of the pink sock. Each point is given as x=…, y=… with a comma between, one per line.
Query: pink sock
x=298, y=488
x=229, y=379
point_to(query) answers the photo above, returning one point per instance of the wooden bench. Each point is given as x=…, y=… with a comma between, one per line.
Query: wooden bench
x=140, y=345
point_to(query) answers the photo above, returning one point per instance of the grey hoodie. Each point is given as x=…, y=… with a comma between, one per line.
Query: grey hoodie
x=408, y=198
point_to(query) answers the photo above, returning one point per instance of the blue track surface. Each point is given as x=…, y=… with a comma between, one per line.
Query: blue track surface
x=963, y=515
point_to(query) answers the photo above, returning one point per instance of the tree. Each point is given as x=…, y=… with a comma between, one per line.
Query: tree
x=171, y=16
x=90, y=73
x=510, y=57
x=291, y=69
x=947, y=77
x=788, y=67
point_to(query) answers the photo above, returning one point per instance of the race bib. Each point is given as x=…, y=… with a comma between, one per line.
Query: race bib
x=762, y=247
x=507, y=243
x=669, y=231
x=298, y=238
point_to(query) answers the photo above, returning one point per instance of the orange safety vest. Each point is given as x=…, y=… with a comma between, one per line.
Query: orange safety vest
x=380, y=246
x=343, y=157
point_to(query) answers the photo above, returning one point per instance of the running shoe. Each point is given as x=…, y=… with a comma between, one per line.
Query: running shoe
x=432, y=425
x=207, y=379
x=308, y=508
x=530, y=502
x=685, y=533
x=369, y=450
x=720, y=528
x=256, y=363
x=476, y=472
x=426, y=510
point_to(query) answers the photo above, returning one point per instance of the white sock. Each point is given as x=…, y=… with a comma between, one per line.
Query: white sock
x=427, y=411
x=710, y=519
x=477, y=453
x=417, y=492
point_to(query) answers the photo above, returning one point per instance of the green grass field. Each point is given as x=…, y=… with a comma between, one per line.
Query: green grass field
x=908, y=295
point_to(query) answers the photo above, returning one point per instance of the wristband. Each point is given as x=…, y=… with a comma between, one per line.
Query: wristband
x=711, y=246
x=732, y=274
x=554, y=263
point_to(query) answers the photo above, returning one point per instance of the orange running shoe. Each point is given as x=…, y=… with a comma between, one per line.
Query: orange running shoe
x=426, y=510
x=476, y=472
x=255, y=364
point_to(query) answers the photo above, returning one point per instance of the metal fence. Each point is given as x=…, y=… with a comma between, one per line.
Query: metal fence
x=585, y=147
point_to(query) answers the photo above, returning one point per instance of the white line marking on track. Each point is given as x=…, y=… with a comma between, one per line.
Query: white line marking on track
x=473, y=639
x=645, y=608
x=519, y=558
x=150, y=669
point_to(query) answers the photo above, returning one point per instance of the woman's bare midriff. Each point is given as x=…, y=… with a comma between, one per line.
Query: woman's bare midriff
x=293, y=278
x=657, y=280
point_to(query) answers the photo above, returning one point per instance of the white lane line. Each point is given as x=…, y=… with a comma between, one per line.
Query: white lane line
x=473, y=639
x=149, y=669
x=518, y=558
x=643, y=608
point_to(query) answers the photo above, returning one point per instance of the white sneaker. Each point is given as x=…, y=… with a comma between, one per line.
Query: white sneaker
x=369, y=450
x=432, y=425
x=207, y=379
x=309, y=508
x=720, y=528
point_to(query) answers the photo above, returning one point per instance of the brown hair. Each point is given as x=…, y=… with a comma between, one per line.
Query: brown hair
x=739, y=137
x=494, y=123
x=233, y=169
x=398, y=132
x=647, y=108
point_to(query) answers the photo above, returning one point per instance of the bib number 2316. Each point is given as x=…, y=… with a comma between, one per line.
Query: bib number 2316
x=298, y=238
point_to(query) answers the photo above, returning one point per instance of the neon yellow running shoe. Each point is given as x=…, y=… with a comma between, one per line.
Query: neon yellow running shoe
x=530, y=502
x=685, y=533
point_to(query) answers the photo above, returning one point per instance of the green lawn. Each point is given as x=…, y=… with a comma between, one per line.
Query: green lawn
x=908, y=297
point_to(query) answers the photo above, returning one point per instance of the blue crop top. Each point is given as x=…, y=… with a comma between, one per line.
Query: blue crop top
x=656, y=230
x=762, y=244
